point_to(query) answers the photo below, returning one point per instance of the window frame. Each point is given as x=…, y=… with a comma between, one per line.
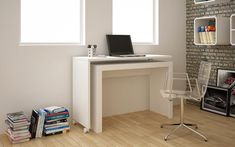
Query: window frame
x=82, y=32
x=156, y=24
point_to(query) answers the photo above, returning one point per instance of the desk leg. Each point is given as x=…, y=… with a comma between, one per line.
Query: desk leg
x=159, y=104
x=96, y=100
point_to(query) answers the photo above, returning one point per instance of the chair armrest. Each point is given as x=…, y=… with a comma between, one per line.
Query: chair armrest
x=185, y=78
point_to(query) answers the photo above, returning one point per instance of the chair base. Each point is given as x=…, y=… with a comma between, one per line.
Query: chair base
x=185, y=125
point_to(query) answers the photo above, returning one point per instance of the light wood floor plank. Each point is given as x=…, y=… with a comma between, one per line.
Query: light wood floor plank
x=142, y=129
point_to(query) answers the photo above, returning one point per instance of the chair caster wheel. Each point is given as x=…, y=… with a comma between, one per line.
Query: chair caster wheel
x=161, y=126
x=165, y=139
x=206, y=140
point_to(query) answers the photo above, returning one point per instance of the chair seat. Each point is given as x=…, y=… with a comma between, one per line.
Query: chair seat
x=177, y=94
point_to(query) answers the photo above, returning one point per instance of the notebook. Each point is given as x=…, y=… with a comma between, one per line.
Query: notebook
x=121, y=46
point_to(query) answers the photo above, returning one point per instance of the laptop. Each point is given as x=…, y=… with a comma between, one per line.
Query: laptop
x=121, y=46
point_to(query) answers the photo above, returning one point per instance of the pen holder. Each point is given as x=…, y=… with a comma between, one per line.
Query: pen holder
x=91, y=50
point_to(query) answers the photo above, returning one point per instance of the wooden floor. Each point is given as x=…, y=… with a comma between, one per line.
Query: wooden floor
x=142, y=129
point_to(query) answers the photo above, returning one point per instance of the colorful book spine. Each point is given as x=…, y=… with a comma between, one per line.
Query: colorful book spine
x=56, y=130
x=60, y=113
x=63, y=116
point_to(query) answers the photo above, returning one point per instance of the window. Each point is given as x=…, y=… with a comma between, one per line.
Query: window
x=52, y=21
x=139, y=18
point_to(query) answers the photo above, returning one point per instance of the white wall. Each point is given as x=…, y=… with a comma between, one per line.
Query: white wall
x=40, y=76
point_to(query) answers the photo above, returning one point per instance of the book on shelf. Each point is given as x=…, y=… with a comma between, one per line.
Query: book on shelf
x=204, y=38
x=212, y=37
x=200, y=37
x=208, y=38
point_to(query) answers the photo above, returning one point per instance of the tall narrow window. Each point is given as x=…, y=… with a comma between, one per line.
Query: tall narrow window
x=52, y=21
x=139, y=18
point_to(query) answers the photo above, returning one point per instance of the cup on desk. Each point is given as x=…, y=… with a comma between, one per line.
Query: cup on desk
x=91, y=50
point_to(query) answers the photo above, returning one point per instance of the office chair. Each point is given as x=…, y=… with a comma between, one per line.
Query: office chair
x=195, y=90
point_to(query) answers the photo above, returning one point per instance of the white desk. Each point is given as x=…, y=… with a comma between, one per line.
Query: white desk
x=88, y=74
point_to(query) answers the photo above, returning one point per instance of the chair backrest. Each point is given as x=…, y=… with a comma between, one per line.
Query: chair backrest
x=203, y=78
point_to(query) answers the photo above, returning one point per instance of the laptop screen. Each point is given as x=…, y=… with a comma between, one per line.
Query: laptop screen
x=119, y=45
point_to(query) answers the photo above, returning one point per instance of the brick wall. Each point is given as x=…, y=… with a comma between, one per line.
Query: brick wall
x=219, y=56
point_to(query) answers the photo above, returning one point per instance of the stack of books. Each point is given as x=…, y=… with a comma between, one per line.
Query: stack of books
x=18, y=130
x=56, y=120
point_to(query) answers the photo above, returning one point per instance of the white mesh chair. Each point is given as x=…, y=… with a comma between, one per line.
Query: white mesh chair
x=196, y=89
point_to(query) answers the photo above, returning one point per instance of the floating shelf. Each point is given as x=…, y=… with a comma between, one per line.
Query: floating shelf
x=232, y=29
x=210, y=2
x=221, y=34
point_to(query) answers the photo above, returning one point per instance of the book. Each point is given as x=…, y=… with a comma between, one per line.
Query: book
x=62, y=116
x=49, y=134
x=204, y=38
x=19, y=136
x=208, y=38
x=57, y=124
x=55, y=109
x=34, y=123
x=200, y=38
x=212, y=37
x=18, y=120
x=55, y=114
x=54, y=120
x=17, y=115
x=19, y=128
x=40, y=125
x=17, y=132
x=16, y=125
x=18, y=141
x=56, y=130
x=22, y=123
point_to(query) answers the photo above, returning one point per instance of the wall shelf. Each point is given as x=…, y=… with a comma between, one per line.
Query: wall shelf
x=220, y=35
x=210, y=2
x=232, y=29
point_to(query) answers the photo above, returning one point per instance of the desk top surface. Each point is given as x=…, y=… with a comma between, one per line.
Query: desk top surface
x=111, y=58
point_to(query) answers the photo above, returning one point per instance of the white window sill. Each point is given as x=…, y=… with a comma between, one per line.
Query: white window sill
x=51, y=44
x=145, y=43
